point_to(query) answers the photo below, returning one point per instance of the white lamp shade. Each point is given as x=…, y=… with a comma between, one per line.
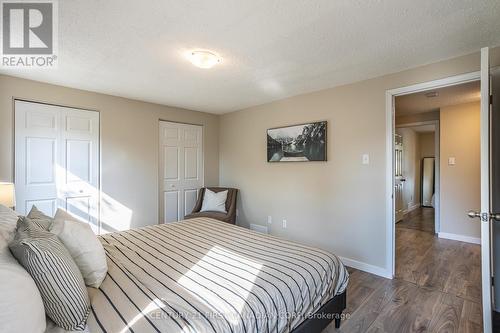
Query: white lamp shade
x=7, y=194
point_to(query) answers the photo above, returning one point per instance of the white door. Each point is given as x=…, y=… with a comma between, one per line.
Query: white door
x=485, y=216
x=181, y=169
x=57, y=160
x=399, y=179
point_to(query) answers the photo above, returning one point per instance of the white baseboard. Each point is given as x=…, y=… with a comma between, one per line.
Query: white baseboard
x=260, y=228
x=461, y=238
x=380, y=271
x=412, y=208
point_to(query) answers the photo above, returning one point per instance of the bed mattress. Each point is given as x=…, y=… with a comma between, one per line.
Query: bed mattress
x=202, y=275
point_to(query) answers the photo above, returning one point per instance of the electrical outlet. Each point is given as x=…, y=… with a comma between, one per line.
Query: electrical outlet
x=284, y=223
x=269, y=220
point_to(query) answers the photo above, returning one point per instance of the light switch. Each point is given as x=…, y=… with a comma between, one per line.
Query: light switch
x=451, y=160
x=366, y=159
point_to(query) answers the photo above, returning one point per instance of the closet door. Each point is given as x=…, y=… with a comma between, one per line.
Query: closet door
x=37, y=128
x=78, y=168
x=181, y=169
x=57, y=160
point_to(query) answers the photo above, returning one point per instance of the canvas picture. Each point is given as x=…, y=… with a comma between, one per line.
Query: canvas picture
x=298, y=143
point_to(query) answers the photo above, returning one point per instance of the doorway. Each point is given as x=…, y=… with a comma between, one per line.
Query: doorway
x=417, y=176
x=436, y=246
x=411, y=120
x=486, y=216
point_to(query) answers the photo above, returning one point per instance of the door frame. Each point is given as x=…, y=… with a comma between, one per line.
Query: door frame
x=99, y=131
x=390, y=118
x=437, y=139
x=158, y=174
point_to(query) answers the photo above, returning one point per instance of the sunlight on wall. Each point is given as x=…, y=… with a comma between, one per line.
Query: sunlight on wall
x=79, y=195
x=197, y=273
x=114, y=215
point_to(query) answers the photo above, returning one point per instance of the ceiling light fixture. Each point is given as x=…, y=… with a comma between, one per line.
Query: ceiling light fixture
x=204, y=59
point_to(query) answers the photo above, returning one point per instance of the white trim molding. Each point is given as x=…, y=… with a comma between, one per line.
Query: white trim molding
x=413, y=207
x=461, y=238
x=362, y=266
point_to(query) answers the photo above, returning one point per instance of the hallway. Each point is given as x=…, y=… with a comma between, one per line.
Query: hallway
x=419, y=219
x=437, y=286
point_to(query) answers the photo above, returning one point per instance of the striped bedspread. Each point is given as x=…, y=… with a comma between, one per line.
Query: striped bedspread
x=202, y=275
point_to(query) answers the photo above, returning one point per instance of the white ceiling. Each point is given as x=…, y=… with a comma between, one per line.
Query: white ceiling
x=424, y=128
x=419, y=102
x=272, y=49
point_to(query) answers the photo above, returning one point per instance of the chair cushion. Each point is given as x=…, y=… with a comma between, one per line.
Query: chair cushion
x=55, y=273
x=214, y=202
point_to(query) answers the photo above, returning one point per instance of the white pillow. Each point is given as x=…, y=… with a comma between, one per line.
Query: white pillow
x=21, y=306
x=214, y=202
x=8, y=223
x=83, y=245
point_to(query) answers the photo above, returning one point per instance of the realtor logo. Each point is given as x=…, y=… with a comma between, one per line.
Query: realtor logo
x=29, y=32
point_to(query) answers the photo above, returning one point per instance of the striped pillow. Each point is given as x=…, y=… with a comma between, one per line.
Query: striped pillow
x=39, y=218
x=55, y=273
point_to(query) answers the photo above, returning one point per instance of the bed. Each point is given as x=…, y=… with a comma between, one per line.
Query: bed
x=202, y=275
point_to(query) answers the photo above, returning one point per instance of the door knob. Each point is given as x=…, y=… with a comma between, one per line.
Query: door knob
x=484, y=216
x=473, y=214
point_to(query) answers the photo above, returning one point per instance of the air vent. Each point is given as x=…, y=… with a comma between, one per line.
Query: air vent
x=432, y=94
x=259, y=228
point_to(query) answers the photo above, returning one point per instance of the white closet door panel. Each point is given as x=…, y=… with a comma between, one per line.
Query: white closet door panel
x=47, y=206
x=83, y=207
x=171, y=203
x=191, y=159
x=41, y=120
x=181, y=169
x=40, y=161
x=78, y=161
x=171, y=161
x=82, y=124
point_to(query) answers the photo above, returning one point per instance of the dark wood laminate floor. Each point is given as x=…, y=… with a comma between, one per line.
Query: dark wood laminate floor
x=419, y=219
x=437, y=286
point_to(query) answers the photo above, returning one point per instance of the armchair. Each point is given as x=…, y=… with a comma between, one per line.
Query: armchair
x=229, y=217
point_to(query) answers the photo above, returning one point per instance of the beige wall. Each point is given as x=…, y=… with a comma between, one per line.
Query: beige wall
x=338, y=205
x=129, y=141
x=411, y=167
x=460, y=183
x=427, y=144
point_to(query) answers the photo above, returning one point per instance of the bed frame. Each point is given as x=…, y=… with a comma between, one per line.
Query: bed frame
x=321, y=318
